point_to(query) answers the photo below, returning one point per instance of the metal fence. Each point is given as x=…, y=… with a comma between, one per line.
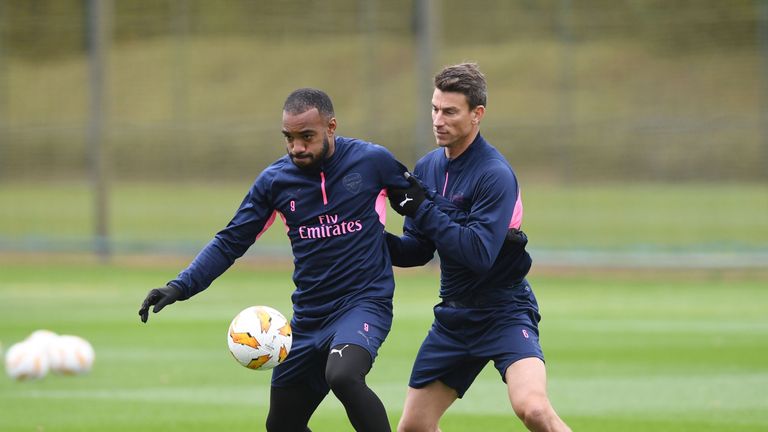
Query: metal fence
x=104, y=94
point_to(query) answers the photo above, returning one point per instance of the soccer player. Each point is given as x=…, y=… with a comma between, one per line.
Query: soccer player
x=330, y=192
x=467, y=206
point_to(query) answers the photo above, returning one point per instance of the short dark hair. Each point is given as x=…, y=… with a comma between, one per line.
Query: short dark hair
x=304, y=99
x=464, y=78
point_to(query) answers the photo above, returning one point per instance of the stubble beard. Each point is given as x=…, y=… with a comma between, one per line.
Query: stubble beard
x=313, y=162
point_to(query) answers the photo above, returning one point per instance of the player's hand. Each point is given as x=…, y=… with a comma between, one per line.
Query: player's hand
x=160, y=298
x=517, y=237
x=407, y=201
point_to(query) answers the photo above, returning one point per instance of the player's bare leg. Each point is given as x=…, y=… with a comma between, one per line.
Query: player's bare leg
x=425, y=406
x=527, y=387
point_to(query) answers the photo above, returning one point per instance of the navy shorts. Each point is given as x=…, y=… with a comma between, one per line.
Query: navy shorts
x=463, y=340
x=366, y=324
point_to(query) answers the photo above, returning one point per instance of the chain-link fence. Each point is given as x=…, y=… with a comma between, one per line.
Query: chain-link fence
x=117, y=117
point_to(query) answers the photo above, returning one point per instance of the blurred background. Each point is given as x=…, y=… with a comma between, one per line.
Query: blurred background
x=638, y=129
x=130, y=130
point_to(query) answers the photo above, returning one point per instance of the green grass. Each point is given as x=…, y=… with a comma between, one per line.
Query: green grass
x=626, y=352
x=702, y=217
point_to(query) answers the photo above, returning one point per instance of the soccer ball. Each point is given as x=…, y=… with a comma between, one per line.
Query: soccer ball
x=26, y=360
x=259, y=337
x=70, y=355
x=43, y=337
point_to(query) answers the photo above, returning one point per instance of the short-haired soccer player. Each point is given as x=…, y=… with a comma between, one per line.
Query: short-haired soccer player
x=329, y=190
x=468, y=208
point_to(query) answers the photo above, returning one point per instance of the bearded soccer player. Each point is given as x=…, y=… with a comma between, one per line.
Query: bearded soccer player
x=330, y=191
x=467, y=206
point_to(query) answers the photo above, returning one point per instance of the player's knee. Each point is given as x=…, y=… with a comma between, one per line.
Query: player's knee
x=346, y=375
x=343, y=382
x=533, y=410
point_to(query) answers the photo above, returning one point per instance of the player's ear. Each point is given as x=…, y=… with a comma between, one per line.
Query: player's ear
x=477, y=114
x=332, y=126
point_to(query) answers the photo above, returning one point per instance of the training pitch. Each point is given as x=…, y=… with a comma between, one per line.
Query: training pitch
x=626, y=351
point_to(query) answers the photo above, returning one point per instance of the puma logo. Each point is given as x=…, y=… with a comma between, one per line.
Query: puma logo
x=403, y=202
x=334, y=350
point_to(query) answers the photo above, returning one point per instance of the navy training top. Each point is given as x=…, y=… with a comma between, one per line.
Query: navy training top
x=473, y=201
x=334, y=219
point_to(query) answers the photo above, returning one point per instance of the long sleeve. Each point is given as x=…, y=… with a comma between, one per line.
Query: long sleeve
x=411, y=249
x=254, y=215
x=476, y=243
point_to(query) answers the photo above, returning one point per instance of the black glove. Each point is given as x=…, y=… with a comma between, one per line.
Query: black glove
x=407, y=201
x=517, y=237
x=160, y=297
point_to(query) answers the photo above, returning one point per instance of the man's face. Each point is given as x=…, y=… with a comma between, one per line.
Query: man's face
x=453, y=123
x=307, y=137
